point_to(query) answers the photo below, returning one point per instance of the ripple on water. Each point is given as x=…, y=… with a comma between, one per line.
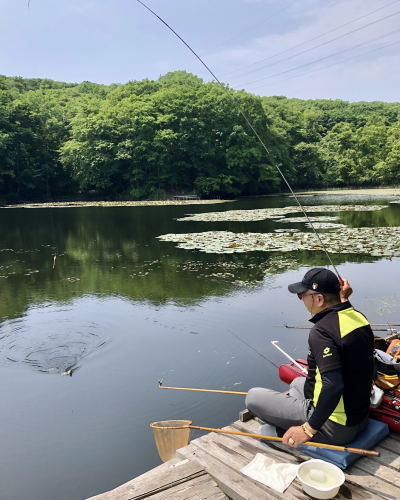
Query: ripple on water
x=29, y=341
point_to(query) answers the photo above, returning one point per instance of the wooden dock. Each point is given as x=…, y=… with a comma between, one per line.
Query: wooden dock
x=209, y=468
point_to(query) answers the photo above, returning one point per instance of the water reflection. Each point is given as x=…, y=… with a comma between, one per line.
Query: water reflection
x=54, y=256
x=60, y=254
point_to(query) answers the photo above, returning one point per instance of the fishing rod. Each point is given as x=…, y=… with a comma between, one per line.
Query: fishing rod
x=275, y=344
x=195, y=389
x=161, y=386
x=239, y=393
x=251, y=126
x=374, y=327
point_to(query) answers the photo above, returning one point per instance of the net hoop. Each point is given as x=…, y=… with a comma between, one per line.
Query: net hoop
x=162, y=424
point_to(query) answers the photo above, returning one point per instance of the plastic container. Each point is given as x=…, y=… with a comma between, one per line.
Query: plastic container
x=320, y=479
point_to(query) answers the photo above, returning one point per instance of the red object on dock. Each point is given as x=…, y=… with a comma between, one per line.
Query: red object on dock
x=290, y=371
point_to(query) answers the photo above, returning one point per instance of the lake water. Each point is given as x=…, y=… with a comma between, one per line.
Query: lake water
x=119, y=309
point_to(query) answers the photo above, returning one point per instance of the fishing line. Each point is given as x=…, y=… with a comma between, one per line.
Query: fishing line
x=253, y=349
x=251, y=127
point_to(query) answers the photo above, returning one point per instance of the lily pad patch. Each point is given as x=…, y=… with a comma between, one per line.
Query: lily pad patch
x=320, y=218
x=376, y=241
x=274, y=213
x=325, y=225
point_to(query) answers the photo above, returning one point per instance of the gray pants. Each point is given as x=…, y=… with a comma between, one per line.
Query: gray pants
x=285, y=410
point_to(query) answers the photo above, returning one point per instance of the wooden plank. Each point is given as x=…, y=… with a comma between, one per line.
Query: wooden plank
x=162, y=477
x=200, y=488
x=387, y=456
x=253, y=446
x=209, y=468
x=391, y=444
x=234, y=484
x=258, y=446
x=365, y=473
x=241, y=453
x=359, y=476
x=281, y=455
x=395, y=436
x=374, y=468
x=374, y=485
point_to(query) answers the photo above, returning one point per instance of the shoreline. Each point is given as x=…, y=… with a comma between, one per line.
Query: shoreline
x=144, y=203
x=387, y=191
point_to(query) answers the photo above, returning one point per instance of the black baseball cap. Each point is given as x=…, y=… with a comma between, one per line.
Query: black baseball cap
x=317, y=279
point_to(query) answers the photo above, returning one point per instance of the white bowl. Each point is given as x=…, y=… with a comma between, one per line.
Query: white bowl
x=320, y=479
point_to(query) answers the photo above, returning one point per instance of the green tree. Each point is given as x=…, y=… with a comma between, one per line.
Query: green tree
x=177, y=134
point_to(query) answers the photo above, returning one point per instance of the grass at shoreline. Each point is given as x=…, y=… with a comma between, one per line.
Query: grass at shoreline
x=388, y=191
x=74, y=204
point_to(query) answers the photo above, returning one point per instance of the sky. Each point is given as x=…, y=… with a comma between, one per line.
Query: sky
x=309, y=49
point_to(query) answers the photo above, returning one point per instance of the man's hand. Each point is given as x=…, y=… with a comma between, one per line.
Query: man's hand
x=295, y=436
x=345, y=291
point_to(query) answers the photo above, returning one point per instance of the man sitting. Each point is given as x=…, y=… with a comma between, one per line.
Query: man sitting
x=331, y=404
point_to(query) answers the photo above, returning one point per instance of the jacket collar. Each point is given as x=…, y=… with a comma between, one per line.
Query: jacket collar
x=337, y=307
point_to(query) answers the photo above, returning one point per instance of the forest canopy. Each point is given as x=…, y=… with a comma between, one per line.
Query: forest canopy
x=150, y=139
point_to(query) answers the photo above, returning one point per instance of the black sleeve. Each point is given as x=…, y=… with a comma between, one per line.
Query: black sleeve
x=332, y=389
x=325, y=350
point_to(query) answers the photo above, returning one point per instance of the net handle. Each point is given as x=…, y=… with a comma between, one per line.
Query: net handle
x=359, y=451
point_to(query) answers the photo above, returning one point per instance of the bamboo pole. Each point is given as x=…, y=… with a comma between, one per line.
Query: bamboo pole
x=186, y=424
x=359, y=451
x=200, y=390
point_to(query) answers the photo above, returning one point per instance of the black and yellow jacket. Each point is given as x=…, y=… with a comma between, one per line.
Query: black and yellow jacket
x=341, y=338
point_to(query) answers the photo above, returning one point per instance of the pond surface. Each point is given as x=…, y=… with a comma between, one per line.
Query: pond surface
x=95, y=309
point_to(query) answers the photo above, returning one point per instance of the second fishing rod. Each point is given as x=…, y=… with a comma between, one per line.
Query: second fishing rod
x=238, y=393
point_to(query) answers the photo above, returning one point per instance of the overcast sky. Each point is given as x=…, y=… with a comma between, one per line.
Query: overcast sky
x=346, y=49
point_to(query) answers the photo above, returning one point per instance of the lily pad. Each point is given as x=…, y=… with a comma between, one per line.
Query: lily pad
x=129, y=203
x=273, y=213
x=320, y=218
x=325, y=225
x=382, y=241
